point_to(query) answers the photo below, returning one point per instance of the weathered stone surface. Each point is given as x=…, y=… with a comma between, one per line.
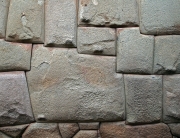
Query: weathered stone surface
x=167, y=54
x=15, y=104
x=120, y=130
x=4, y=6
x=89, y=126
x=108, y=12
x=42, y=130
x=60, y=27
x=14, y=131
x=92, y=40
x=171, y=96
x=134, y=51
x=143, y=98
x=3, y=135
x=175, y=129
x=68, y=130
x=86, y=134
x=67, y=86
x=159, y=17
x=26, y=21
x=14, y=56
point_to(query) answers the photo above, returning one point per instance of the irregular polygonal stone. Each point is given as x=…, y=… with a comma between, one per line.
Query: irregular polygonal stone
x=120, y=130
x=134, y=51
x=60, y=27
x=68, y=130
x=15, y=104
x=42, y=130
x=89, y=126
x=26, y=21
x=14, y=56
x=3, y=135
x=86, y=134
x=175, y=129
x=92, y=40
x=143, y=98
x=159, y=17
x=108, y=12
x=67, y=86
x=167, y=54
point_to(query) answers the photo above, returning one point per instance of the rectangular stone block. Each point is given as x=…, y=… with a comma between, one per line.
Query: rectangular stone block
x=92, y=40
x=61, y=26
x=134, y=51
x=143, y=98
x=26, y=21
x=175, y=129
x=158, y=17
x=108, y=12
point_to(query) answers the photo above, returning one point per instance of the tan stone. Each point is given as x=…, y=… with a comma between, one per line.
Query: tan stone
x=86, y=134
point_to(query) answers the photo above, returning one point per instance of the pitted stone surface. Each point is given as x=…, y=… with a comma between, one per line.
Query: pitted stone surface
x=26, y=21
x=93, y=40
x=167, y=54
x=143, y=98
x=3, y=135
x=86, y=134
x=159, y=17
x=89, y=126
x=175, y=129
x=14, y=56
x=134, y=51
x=67, y=86
x=108, y=12
x=15, y=104
x=60, y=27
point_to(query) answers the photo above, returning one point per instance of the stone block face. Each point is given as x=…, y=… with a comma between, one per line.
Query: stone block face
x=143, y=98
x=15, y=104
x=93, y=40
x=14, y=56
x=134, y=51
x=74, y=87
x=89, y=126
x=108, y=12
x=175, y=129
x=159, y=17
x=86, y=134
x=26, y=21
x=60, y=27
x=3, y=135
x=167, y=54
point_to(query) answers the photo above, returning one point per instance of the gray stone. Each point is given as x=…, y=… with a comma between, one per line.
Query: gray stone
x=89, y=126
x=134, y=51
x=86, y=134
x=67, y=86
x=108, y=12
x=26, y=21
x=167, y=54
x=15, y=104
x=159, y=17
x=175, y=129
x=143, y=98
x=3, y=135
x=93, y=40
x=60, y=27
x=14, y=56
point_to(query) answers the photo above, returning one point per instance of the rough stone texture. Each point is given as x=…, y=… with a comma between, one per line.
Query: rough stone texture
x=14, y=56
x=68, y=130
x=108, y=12
x=89, y=126
x=175, y=129
x=159, y=17
x=42, y=130
x=143, y=98
x=134, y=51
x=14, y=131
x=74, y=87
x=167, y=54
x=120, y=130
x=60, y=27
x=26, y=21
x=3, y=135
x=4, y=6
x=86, y=134
x=92, y=40
x=15, y=104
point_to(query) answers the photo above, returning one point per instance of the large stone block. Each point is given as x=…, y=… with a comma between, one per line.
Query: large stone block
x=92, y=40
x=86, y=134
x=143, y=98
x=159, y=17
x=67, y=86
x=167, y=54
x=15, y=104
x=134, y=51
x=26, y=21
x=108, y=12
x=14, y=56
x=60, y=27
x=175, y=129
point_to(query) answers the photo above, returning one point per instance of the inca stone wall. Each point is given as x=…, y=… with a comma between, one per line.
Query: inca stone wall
x=89, y=68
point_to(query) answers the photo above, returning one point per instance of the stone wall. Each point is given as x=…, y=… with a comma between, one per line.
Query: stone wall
x=89, y=68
